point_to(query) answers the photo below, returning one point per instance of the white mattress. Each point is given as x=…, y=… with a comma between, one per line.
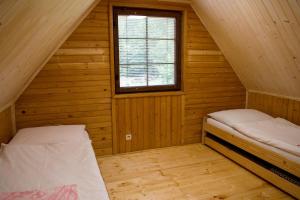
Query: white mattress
x=40, y=167
x=273, y=132
x=242, y=136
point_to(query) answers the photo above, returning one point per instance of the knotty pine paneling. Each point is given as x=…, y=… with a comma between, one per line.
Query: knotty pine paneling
x=260, y=39
x=75, y=87
x=153, y=122
x=275, y=106
x=6, y=126
x=209, y=81
x=31, y=32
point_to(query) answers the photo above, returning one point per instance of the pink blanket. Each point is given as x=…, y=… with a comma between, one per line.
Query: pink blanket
x=66, y=192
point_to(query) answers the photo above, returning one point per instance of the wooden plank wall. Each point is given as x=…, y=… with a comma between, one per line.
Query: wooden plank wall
x=6, y=128
x=75, y=87
x=153, y=122
x=209, y=82
x=275, y=106
x=31, y=32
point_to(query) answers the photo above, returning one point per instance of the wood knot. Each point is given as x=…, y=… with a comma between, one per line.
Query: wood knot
x=219, y=196
x=284, y=162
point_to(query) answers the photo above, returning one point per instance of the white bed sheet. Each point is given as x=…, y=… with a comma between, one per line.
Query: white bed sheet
x=31, y=167
x=240, y=135
x=274, y=133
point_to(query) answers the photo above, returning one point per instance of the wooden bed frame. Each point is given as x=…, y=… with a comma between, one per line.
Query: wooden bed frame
x=258, y=151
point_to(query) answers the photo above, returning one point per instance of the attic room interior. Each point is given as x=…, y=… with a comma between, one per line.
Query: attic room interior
x=149, y=99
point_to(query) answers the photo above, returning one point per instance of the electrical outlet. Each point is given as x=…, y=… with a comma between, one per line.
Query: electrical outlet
x=128, y=137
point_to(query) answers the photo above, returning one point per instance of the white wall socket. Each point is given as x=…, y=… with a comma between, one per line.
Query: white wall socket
x=128, y=136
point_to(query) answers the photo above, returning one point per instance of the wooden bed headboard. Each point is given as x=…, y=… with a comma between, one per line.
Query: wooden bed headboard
x=6, y=128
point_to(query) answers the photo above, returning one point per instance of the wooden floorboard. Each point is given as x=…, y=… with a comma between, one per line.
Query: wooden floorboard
x=183, y=172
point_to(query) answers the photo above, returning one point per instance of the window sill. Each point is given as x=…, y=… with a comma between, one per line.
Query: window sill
x=148, y=94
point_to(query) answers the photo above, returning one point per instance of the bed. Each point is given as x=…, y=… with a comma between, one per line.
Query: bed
x=50, y=161
x=245, y=136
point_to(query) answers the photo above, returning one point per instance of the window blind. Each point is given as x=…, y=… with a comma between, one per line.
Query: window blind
x=146, y=50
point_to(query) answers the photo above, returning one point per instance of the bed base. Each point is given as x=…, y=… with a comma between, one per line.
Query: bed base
x=210, y=132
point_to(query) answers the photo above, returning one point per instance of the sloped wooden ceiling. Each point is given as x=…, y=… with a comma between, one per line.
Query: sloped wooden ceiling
x=261, y=40
x=30, y=32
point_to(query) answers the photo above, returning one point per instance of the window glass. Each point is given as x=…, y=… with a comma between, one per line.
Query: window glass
x=147, y=51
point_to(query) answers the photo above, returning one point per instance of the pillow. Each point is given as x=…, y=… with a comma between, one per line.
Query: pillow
x=51, y=134
x=231, y=117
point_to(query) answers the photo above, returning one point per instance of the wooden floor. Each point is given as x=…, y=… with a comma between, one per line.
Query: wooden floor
x=185, y=172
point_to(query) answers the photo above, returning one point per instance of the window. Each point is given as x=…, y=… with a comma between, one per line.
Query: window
x=147, y=50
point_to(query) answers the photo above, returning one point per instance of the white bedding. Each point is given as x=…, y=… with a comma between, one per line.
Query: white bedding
x=27, y=165
x=31, y=167
x=51, y=135
x=233, y=116
x=244, y=137
x=274, y=133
